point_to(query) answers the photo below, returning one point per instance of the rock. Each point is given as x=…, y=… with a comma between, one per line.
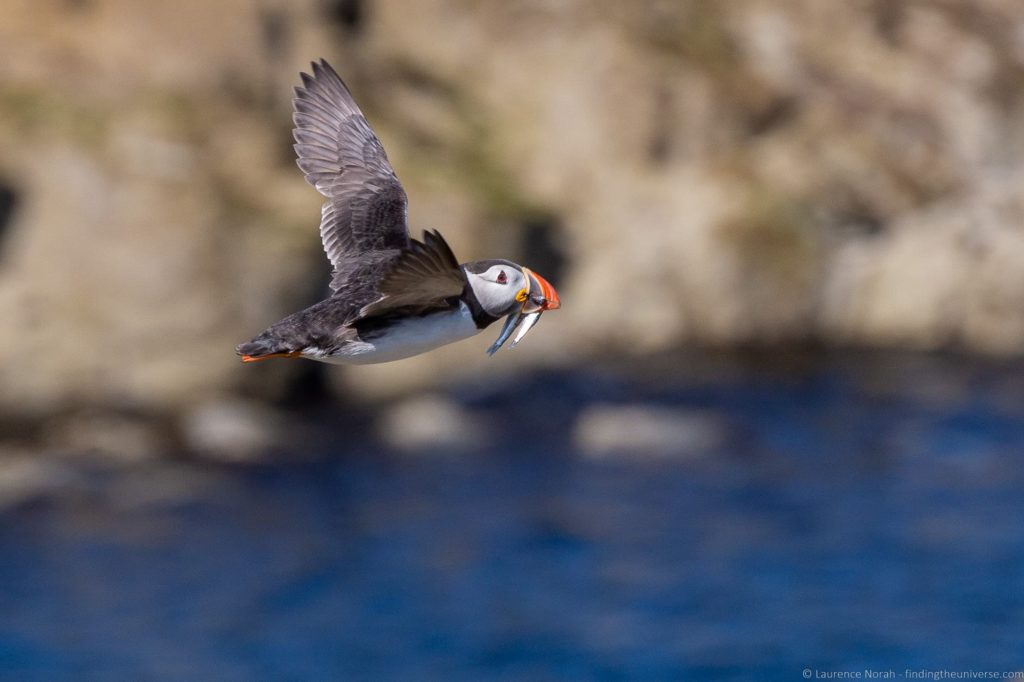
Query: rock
x=107, y=436
x=718, y=173
x=605, y=431
x=233, y=431
x=758, y=150
x=944, y=276
x=430, y=422
x=25, y=477
x=178, y=230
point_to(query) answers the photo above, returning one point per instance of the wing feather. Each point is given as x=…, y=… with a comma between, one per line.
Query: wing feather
x=423, y=277
x=363, y=221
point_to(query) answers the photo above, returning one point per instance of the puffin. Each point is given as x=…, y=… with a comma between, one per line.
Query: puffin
x=392, y=296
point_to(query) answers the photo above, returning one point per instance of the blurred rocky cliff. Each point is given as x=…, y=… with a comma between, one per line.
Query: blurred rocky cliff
x=713, y=173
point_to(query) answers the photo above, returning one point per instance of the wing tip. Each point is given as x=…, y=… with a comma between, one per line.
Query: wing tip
x=435, y=242
x=325, y=80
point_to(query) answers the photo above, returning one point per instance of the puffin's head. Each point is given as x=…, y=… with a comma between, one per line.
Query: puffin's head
x=502, y=288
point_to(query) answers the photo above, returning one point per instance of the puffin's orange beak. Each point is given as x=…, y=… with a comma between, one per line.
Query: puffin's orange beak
x=542, y=295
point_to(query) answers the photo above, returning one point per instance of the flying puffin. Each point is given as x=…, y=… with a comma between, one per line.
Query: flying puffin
x=393, y=296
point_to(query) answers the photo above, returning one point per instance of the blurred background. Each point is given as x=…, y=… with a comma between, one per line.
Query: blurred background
x=778, y=423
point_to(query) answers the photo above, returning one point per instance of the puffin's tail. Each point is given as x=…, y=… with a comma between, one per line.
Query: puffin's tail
x=264, y=347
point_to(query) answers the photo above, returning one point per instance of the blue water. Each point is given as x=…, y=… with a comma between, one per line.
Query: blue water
x=864, y=513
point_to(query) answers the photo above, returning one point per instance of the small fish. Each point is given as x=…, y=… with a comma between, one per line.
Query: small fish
x=526, y=326
x=511, y=323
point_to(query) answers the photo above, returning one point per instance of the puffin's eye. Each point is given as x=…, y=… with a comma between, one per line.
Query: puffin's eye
x=502, y=278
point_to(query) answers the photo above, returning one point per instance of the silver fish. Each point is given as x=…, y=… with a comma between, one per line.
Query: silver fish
x=526, y=326
x=511, y=322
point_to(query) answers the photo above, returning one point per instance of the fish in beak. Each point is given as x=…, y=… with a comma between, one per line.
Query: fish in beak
x=539, y=297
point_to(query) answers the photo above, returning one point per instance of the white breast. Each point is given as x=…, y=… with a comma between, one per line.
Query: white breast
x=405, y=339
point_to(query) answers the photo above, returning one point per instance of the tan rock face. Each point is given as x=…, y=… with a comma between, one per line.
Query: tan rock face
x=158, y=214
x=716, y=172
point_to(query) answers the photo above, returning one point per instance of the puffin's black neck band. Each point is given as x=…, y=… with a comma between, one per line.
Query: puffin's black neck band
x=481, y=317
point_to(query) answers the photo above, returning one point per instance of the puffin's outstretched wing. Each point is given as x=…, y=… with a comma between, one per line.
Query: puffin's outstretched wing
x=425, y=276
x=363, y=222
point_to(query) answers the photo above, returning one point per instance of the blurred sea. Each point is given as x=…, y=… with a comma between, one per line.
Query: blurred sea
x=861, y=512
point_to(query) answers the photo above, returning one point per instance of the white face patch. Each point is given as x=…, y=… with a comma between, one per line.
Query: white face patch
x=498, y=288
